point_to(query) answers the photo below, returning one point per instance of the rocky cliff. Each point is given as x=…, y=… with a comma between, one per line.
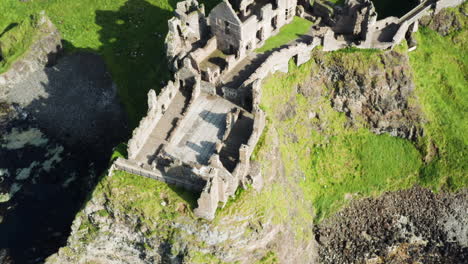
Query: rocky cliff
x=131, y=219
x=323, y=149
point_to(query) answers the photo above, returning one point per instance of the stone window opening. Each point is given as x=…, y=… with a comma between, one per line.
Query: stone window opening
x=274, y=22
x=260, y=35
x=227, y=29
x=231, y=49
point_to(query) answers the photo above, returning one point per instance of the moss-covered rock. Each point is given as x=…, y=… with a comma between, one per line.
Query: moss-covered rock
x=27, y=46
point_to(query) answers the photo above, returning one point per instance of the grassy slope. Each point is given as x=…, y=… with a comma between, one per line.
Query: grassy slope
x=128, y=33
x=157, y=206
x=337, y=162
x=15, y=42
x=287, y=33
x=334, y=161
x=440, y=67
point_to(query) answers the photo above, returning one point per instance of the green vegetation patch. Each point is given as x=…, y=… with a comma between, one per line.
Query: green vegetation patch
x=333, y=161
x=440, y=66
x=129, y=34
x=16, y=40
x=202, y=258
x=289, y=32
x=154, y=200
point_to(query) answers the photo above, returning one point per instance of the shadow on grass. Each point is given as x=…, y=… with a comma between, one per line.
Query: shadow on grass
x=133, y=50
x=133, y=46
x=8, y=28
x=189, y=197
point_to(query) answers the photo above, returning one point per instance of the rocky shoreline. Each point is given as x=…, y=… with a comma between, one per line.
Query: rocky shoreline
x=408, y=226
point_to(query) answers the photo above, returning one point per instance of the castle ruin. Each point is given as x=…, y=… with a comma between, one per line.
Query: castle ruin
x=201, y=129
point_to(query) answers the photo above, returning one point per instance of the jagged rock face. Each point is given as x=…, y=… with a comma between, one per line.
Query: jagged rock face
x=106, y=232
x=376, y=92
x=445, y=22
x=411, y=226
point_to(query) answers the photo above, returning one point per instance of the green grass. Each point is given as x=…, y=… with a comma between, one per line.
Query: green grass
x=129, y=34
x=155, y=203
x=289, y=32
x=269, y=258
x=120, y=151
x=440, y=66
x=15, y=41
x=202, y=258
x=335, y=162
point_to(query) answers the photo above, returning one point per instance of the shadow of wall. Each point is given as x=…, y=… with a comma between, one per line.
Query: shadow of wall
x=396, y=8
x=133, y=50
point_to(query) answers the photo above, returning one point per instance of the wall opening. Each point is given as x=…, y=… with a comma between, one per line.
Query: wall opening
x=260, y=35
x=227, y=29
x=231, y=49
x=274, y=22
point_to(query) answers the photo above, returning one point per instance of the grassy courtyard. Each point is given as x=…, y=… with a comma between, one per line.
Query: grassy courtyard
x=289, y=32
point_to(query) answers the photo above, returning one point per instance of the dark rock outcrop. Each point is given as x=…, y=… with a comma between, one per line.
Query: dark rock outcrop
x=410, y=226
x=444, y=22
x=374, y=88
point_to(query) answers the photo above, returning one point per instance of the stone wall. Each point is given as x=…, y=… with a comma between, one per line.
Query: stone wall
x=279, y=60
x=200, y=54
x=239, y=36
x=416, y=13
x=226, y=26
x=379, y=34
x=441, y=4
x=133, y=168
x=209, y=199
x=187, y=27
x=157, y=105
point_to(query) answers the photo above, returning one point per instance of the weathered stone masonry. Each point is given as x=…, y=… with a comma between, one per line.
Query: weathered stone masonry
x=199, y=133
